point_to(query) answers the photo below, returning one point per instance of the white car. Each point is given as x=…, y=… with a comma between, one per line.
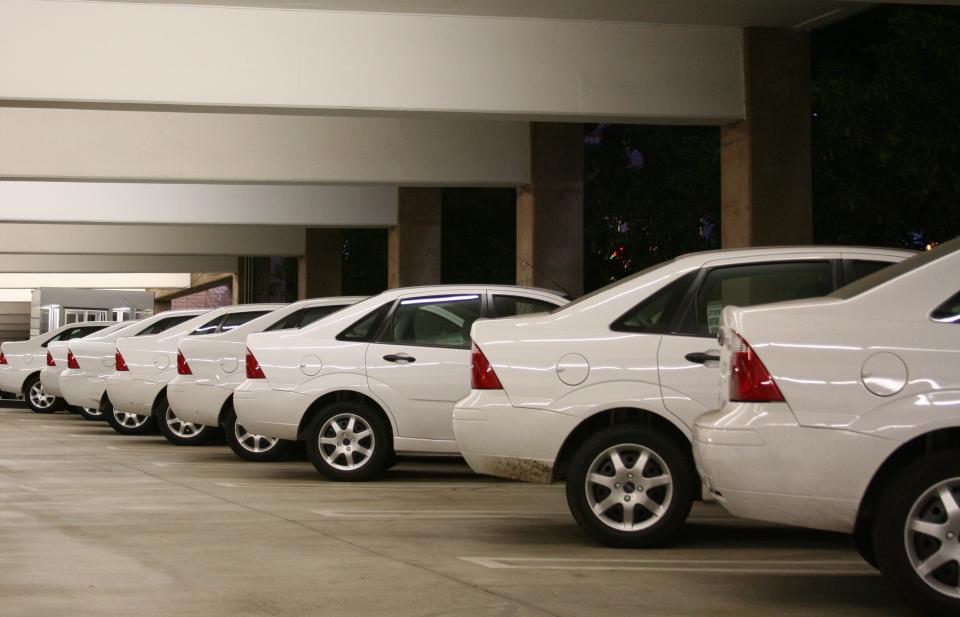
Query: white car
x=376, y=379
x=22, y=361
x=58, y=357
x=90, y=361
x=603, y=393
x=146, y=364
x=843, y=413
x=209, y=368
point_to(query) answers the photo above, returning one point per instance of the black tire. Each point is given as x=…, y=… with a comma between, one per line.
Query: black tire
x=124, y=425
x=36, y=397
x=246, y=446
x=863, y=542
x=895, y=548
x=175, y=430
x=378, y=442
x=665, y=458
x=94, y=415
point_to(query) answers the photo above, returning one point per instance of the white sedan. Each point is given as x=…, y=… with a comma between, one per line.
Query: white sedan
x=58, y=356
x=146, y=364
x=604, y=392
x=376, y=379
x=91, y=360
x=843, y=413
x=209, y=368
x=22, y=361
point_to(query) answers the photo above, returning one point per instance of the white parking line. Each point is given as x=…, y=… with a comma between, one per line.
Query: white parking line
x=397, y=486
x=246, y=464
x=811, y=567
x=433, y=514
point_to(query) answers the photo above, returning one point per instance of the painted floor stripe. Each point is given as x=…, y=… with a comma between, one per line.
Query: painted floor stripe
x=434, y=514
x=398, y=486
x=813, y=567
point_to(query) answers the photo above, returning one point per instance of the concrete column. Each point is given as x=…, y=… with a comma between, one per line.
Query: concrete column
x=413, y=246
x=550, y=210
x=320, y=269
x=765, y=159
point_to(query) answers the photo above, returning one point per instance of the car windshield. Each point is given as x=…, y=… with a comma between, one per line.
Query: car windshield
x=597, y=292
x=896, y=270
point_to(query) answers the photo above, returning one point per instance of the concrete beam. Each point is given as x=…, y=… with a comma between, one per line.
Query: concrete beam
x=59, y=239
x=105, y=280
x=206, y=204
x=370, y=62
x=65, y=143
x=26, y=262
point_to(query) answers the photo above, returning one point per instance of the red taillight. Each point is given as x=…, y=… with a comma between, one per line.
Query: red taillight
x=182, y=367
x=482, y=375
x=750, y=382
x=50, y=361
x=72, y=361
x=119, y=363
x=3, y=358
x=253, y=367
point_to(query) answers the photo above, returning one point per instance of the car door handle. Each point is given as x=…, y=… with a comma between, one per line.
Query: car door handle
x=399, y=357
x=700, y=357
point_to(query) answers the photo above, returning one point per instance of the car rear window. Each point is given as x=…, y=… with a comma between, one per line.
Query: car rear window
x=896, y=270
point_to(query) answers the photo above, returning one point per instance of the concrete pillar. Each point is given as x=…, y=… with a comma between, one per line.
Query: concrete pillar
x=320, y=270
x=413, y=246
x=550, y=210
x=766, y=185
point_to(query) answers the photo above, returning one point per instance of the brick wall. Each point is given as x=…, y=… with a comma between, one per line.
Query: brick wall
x=211, y=298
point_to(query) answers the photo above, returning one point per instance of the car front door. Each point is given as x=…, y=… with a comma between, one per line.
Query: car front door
x=420, y=364
x=688, y=358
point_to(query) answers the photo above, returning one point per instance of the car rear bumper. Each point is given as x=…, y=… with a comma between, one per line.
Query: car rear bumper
x=194, y=402
x=133, y=395
x=11, y=379
x=50, y=380
x=81, y=389
x=499, y=439
x=760, y=464
x=274, y=413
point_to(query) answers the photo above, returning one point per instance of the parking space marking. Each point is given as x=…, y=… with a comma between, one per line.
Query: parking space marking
x=405, y=486
x=233, y=464
x=810, y=567
x=434, y=514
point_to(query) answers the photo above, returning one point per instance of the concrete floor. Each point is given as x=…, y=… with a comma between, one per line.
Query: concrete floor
x=94, y=523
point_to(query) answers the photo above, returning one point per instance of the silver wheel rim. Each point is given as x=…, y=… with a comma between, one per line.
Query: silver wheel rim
x=90, y=411
x=629, y=487
x=39, y=398
x=180, y=428
x=932, y=537
x=346, y=442
x=251, y=442
x=129, y=420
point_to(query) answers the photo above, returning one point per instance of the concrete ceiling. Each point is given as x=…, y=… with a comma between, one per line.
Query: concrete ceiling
x=770, y=13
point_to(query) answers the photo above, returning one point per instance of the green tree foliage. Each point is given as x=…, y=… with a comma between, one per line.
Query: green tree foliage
x=651, y=193
x=886, y=127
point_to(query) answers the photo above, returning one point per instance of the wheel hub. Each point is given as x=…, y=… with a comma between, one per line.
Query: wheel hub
x=346, y=441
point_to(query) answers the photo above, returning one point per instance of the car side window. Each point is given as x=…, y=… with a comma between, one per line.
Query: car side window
x=949, y=311
x=442, y=321
x=208, y=328
x=760, y=283
x=164, y=324
x=314, y=313
x=859, y=268
x=235, y=320
x=365, y=328
x=657, y=313
x=509, y=306
x=82, y=332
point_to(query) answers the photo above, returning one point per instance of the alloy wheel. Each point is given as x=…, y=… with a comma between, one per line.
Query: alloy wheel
x=629, y=487
x=932, y=536
x=92, y=412
x=129, y=420
x=180, y=428
x=253, y=442
x=346, y=442
x=39, y=397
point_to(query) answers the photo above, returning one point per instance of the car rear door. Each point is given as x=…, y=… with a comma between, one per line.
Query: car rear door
x=688, y=357
x=420, y=364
